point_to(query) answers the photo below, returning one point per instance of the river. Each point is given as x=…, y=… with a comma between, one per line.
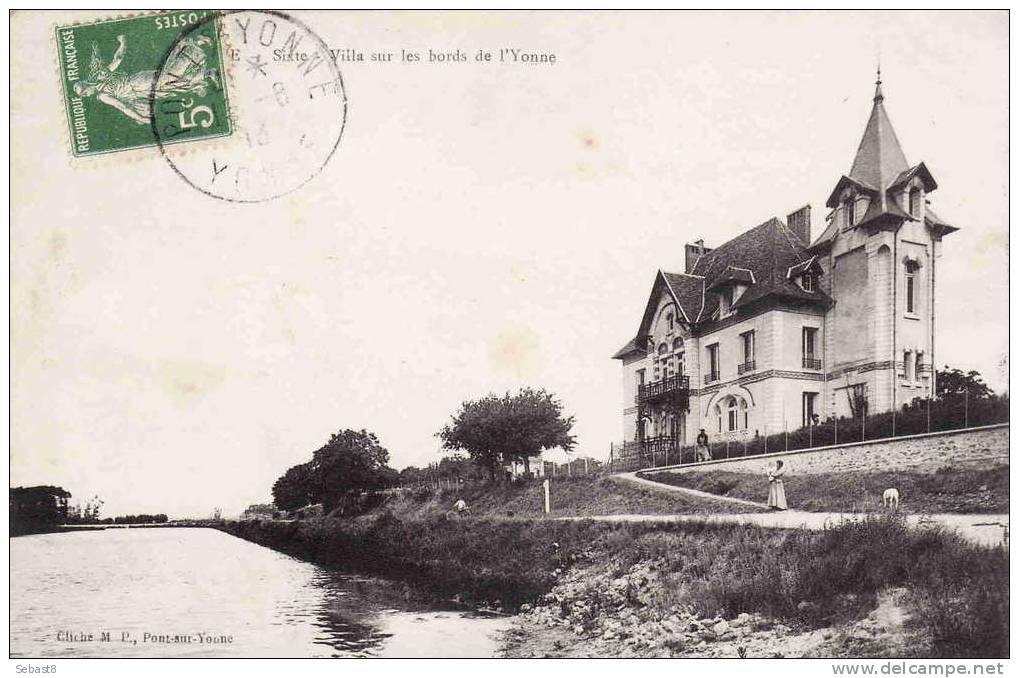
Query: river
x=197, y=592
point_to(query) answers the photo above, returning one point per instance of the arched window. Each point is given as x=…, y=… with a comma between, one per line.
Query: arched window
x=669, y=321
x=733, y=412
x=914, y=202
x=745, y=415
x=677, y=348
x=662, y=363
x=718, y=415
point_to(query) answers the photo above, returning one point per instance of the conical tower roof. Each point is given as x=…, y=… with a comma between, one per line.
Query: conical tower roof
x=879, y=159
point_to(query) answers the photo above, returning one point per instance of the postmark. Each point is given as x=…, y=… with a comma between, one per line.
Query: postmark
x=290, y=110
x=115, y=71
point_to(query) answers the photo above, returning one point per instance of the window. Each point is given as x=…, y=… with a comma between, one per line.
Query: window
x=849, y=206
x=677, y=344
x=712, y=363
x=810, y=359
x=746, y=415
x=669, y=320
x=808, y=281
x=732, y=409
x=748, y=346
x=809, y=408
x=907, y=365
x=718, y=415
x=911, y=289
x=726, y=299
x=918, y=366
x=640, y=378
x=914, y=203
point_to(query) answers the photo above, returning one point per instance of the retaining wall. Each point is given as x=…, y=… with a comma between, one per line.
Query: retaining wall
x=974, y=448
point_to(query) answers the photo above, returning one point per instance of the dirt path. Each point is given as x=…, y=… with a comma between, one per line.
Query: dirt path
x=985, y=529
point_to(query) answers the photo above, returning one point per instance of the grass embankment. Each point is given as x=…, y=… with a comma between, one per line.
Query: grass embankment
x=578, y=496
x=946, y=491
x=646, y=590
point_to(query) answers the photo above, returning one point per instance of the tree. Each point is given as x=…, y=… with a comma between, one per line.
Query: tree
x=955, y=382
x=498, y=429
x=292, y=490
x=38, y=508
x=350, y=463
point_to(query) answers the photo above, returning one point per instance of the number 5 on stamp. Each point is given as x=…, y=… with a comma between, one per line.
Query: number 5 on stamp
x=125, y=81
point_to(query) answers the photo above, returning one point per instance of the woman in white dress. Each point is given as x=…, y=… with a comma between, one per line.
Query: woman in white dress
x=776, y=488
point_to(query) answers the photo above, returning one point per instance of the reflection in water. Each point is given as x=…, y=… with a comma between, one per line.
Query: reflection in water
x=174, y=592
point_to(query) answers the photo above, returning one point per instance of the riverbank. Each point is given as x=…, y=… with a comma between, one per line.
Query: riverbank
x=586, y=588
x=579, y=496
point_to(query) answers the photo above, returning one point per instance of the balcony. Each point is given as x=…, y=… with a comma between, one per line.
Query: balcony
x=748, y=366
x=811, y=363
x=676, y=386
x=660, y=448
x=712, y=377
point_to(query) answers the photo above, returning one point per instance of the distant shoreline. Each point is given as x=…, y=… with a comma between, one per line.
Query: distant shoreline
x=56, y=529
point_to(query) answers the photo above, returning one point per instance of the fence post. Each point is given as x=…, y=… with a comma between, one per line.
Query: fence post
x=965, y=422
x=585, y=466
x=810, y=433
x=726, y=449
x=548, y=501
x=928, y=414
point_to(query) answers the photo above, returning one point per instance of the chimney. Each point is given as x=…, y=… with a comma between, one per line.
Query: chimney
x=799, y=223
x=695, y=252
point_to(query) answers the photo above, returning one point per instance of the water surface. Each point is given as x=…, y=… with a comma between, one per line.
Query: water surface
x=203, y=593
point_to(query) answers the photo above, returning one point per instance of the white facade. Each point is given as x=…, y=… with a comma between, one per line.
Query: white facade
x=770, y=331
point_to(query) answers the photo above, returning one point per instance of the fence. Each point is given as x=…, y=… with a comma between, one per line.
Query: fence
x=922, y=416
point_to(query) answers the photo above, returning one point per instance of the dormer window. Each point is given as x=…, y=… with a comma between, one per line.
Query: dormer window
x=727, y=297
x=670, y=322
x=850, y=208
x=915, y=196
x=808, y=281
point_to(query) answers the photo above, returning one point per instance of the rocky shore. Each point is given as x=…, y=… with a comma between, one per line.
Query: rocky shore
x=592, y=614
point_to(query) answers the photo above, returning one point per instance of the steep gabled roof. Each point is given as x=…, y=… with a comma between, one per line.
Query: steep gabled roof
x=732, y=274
x=767, y=252
x=916, y=170
x=810, y=264
x=688, y=291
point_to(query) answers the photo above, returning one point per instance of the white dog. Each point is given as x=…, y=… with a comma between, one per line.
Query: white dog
x=890, y=498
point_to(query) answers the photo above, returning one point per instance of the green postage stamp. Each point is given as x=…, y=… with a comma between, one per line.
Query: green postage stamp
x=143, y=81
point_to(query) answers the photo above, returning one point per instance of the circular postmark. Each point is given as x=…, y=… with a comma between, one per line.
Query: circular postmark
x=287, y=106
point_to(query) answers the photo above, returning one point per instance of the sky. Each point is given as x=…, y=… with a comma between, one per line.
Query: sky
x=479, y=229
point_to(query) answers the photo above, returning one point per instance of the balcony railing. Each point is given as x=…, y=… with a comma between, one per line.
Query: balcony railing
x=748, y=366
x=711, y=376
x=811, y=363
x=677, y=384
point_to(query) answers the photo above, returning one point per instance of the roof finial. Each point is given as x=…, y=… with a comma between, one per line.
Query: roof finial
x=878, y=96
